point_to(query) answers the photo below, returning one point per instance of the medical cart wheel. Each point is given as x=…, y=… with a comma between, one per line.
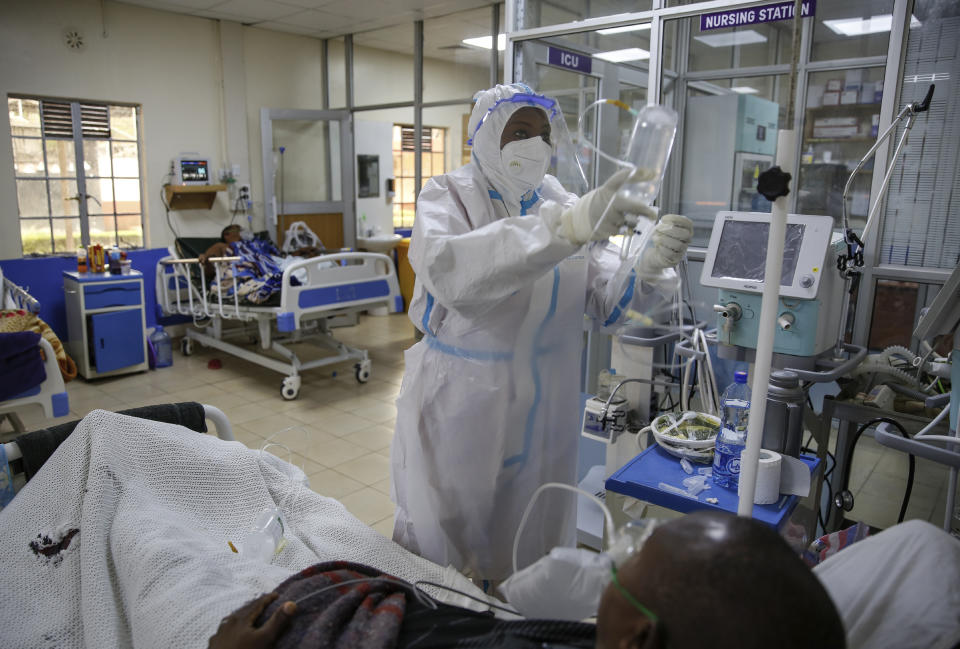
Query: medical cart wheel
x=290, y=388
x=363, y=372
x=186, y=346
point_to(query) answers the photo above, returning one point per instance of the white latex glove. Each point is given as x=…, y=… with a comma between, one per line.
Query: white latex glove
x=666, y=247
x=590, y=220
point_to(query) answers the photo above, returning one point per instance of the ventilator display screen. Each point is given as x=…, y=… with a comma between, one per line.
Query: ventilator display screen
x=742, y=251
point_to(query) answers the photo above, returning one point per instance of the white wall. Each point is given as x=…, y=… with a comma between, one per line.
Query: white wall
x=201, y=84
x=375, y=138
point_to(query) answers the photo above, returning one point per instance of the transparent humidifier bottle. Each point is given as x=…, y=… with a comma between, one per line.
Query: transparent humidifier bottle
x=648, y=152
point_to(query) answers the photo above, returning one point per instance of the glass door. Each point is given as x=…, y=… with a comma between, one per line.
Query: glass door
x=308, y=173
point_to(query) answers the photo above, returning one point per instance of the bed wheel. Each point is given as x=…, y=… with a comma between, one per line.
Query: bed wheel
x=363, y=372
x=290, y=388
x=186, y=346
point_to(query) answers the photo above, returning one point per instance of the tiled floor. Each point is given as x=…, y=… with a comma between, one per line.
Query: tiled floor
x=340, y=431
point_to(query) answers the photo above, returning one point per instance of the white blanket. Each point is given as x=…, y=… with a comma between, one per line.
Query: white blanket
x=155, y=505
x=899, y=589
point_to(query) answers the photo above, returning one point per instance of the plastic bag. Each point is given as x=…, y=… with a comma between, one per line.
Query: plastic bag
x=564, y=585
x=299, y=235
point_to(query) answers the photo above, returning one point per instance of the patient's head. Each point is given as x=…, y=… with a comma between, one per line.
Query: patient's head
x=231, y=233
x=717, y=580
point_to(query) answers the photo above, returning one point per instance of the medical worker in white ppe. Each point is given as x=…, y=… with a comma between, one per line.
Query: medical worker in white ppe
x=489, y=408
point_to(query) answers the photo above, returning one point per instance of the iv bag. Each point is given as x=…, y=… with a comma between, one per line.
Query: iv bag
x=648, y=152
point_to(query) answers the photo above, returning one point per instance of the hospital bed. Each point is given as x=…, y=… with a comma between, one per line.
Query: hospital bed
x=314, y=294
x=123, y=537
x=51, y=395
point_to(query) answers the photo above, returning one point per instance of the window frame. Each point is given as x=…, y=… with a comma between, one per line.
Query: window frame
x=78, y=139
x=427, y=138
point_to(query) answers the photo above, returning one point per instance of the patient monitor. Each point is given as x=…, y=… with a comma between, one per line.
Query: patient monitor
x=811, y=291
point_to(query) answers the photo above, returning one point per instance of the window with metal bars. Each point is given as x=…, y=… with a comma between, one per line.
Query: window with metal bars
x=433, y=162
x=77, y=170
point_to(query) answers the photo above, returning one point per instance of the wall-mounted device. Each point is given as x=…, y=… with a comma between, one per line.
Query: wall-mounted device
x=811, y=290
x=191, y=169
x=390, y=189
x=368, y=176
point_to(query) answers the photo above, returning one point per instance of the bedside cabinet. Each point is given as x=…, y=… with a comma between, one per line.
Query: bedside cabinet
x=106, y=323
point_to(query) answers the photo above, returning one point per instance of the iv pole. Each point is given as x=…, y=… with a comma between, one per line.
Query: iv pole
x=774, y=185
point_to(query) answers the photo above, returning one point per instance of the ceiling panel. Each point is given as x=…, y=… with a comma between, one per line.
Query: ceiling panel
x=381, y=24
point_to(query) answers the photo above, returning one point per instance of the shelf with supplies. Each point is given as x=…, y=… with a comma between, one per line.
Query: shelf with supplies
x=875, y=106
x=191, y=197
x=842, y=123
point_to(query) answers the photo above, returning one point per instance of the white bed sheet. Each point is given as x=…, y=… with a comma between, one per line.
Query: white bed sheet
x=900, y=588
x=155, y=505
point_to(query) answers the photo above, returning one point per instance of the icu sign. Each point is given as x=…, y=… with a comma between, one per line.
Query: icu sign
x=755, y=15
x=570, y=60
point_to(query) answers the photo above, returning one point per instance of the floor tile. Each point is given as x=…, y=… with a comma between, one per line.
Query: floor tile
x=368, y=469
x=342, y=424
x=333, y=484
x=373, y=438
x=383, y=486
x=333, y=452
x=369, y=505
x=384, y=527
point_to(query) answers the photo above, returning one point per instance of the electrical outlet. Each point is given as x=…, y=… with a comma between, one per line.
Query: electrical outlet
x=244, y=191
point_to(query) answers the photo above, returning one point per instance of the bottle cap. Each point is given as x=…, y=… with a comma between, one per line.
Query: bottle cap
x=740, y=377
x=158, y=329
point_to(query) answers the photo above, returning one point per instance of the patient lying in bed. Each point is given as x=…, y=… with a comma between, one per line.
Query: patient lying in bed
x=121, y=539
x=259, y=274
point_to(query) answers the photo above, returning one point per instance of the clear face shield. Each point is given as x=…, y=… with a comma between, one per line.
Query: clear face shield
x=564, y=163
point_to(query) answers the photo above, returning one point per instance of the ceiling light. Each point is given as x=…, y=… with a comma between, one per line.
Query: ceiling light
x=863, y=26
x=745, y=37
x=620, y=30
x=620, y=56
x=744, y=90
x=486, y=42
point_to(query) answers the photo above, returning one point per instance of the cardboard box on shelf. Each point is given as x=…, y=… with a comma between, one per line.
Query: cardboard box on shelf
x=831, y=98
x=874, y=125
x=878, y=92
x=850, y=97
x=835, y=84
x=814, y=96
x=853, y=75
x=835, y=132
x=834, y=121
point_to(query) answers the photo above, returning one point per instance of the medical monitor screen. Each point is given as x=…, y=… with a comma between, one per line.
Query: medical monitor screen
x=194, y=171
x=742, y=251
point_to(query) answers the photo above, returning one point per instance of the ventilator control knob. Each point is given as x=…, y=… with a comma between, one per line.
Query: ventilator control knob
x=774, y=183
x=806, y=281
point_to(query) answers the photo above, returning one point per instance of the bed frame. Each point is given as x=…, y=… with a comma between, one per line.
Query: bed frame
x=336, y=285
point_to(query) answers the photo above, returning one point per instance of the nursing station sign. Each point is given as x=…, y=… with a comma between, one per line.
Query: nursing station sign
x=755, y=15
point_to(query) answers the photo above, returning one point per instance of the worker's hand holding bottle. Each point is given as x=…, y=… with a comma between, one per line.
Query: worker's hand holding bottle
x=601, y=213
x=666, y=247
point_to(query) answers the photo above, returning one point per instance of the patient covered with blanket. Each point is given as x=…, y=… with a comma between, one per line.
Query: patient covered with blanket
x=121, y=538
x=259, y=274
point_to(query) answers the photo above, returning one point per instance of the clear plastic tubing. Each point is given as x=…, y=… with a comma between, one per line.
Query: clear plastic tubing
x=648, y=152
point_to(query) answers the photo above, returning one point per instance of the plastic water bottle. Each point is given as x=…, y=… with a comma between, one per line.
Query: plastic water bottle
x=732, y=437
x=163, y=346
x=649, y=151
x=264, y=538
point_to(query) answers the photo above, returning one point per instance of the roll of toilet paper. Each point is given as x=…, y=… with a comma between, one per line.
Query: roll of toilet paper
x=768, y=478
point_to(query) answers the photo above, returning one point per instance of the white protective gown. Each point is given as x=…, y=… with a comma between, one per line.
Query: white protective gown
x=489, y=408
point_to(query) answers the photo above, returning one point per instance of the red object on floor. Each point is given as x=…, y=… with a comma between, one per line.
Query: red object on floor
x=214, y=364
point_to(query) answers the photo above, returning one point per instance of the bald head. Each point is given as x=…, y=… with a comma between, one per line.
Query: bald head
x=717, y=580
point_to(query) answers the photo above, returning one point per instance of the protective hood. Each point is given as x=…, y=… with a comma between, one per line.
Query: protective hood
x=491, y=112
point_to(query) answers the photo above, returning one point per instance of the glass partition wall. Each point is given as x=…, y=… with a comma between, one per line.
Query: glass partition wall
x=414, y=119
x=730, y=88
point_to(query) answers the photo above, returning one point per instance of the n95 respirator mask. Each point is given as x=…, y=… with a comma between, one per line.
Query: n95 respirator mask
x=526, y=162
